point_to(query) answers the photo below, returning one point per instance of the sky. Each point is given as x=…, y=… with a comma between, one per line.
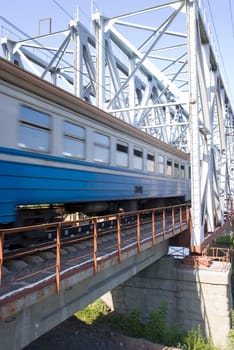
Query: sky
x=31, y=17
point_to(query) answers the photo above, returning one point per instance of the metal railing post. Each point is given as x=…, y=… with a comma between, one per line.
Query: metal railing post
x=173, y=219
x=138, y=232
x=58, y=262
x=153, y=226
x=1, y=254
x=181, y=218
x=164, y=223
x=119, y=238
x=187, y=215
x=94, y=246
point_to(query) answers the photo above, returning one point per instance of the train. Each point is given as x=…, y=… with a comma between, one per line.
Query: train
x=59, y=151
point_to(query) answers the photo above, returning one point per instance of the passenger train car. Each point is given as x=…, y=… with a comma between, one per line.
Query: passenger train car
x=56, y=149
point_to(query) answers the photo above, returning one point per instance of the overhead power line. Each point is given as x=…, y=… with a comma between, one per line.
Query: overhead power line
x=63, y=9
x=231, y=14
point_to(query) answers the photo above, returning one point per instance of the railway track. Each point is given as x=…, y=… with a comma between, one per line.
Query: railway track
x=83, y=242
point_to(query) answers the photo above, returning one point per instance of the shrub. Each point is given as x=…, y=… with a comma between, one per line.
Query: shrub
x=155, y=329
x=194, y=340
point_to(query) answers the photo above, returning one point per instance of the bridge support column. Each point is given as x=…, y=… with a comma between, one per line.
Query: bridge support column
x=194, y=296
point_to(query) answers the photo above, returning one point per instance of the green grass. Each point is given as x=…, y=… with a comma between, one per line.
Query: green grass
x=155, y=330
x=225, y=241
x=93, y=313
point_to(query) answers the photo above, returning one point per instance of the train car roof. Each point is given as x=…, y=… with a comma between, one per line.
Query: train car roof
x=18, y=77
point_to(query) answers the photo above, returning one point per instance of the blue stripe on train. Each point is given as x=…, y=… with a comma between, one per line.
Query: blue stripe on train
x=22, y=184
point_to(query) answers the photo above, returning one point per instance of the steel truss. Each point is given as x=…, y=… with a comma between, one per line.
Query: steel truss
x=162, y=76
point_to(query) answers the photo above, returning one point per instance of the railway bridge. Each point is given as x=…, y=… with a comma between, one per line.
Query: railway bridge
x=121, y=258
x=168, y=82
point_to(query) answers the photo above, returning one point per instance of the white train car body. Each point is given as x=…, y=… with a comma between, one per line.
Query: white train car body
x=56, y=148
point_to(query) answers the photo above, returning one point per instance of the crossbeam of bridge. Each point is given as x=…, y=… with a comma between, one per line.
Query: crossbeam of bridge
x=166, y=80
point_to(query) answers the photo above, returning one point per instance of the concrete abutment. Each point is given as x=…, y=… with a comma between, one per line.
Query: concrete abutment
x=194, y=296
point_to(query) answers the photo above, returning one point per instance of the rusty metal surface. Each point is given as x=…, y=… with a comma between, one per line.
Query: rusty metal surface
x=219, y=231
x=92, y=249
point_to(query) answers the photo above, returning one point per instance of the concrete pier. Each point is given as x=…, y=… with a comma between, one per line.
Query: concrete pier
x=30, y=315
x=194, y=296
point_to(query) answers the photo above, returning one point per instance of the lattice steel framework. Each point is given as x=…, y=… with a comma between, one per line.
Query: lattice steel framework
x=162, y=76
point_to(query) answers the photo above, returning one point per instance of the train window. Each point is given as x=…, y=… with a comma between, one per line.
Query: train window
x=182, y=171
x=169, y=168
x=161, y=164
x=176, y=169
x=34, y=129
x=122, y=154
x=74, y=140
x=150, y=163
x=137, y=158
x=101, y=148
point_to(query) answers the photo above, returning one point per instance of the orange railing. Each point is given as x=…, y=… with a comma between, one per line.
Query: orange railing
x=145, y=225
